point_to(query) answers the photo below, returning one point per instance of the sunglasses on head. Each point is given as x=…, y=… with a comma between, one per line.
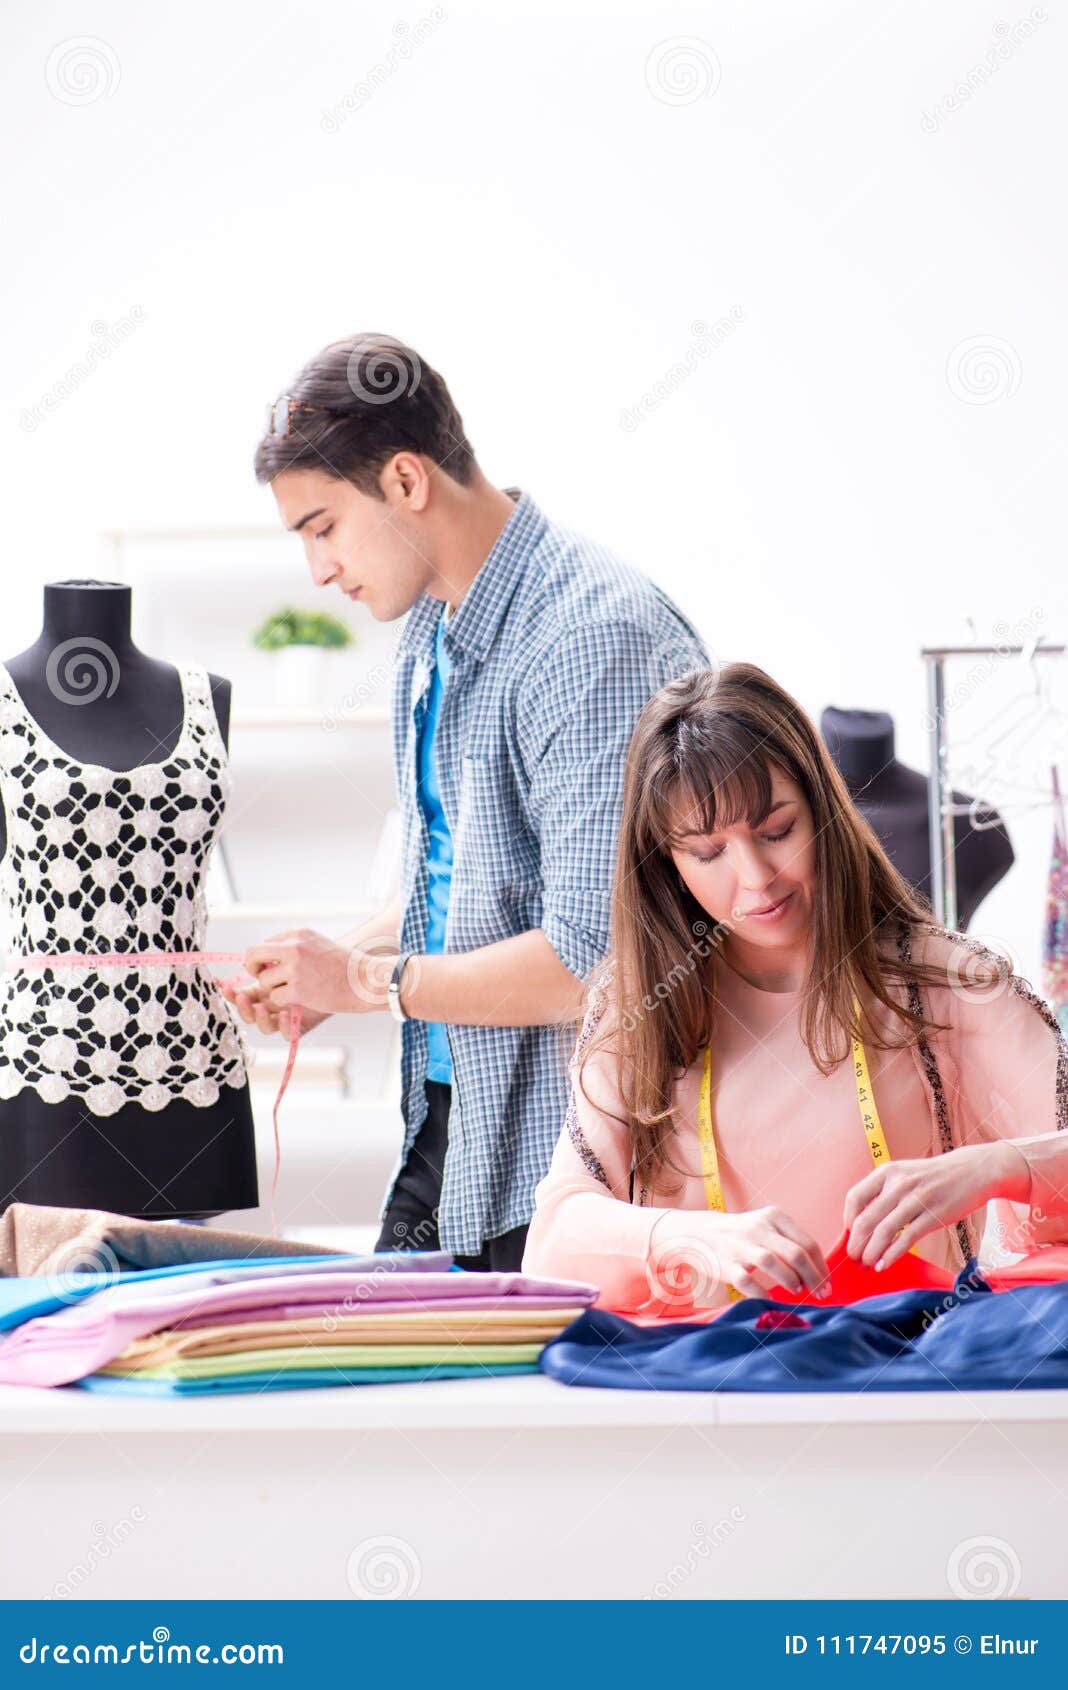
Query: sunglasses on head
x=280, y=414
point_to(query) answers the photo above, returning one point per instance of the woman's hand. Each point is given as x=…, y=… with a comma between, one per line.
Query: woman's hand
x=758, y=1252
x=894, y=1206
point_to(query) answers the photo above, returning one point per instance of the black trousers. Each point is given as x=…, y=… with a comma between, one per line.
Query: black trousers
x=411, y=1221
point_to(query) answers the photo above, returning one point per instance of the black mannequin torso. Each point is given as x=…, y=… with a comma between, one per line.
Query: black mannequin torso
x=103, y=701
x=893, y=799
x=137, y=722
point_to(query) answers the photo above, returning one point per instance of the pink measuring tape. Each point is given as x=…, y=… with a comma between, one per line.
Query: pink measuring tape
x=184, y=959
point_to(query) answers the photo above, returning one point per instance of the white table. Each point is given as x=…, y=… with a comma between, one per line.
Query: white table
x=523, y=1487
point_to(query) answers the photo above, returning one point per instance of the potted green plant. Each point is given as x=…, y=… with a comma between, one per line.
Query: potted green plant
x=298, y=641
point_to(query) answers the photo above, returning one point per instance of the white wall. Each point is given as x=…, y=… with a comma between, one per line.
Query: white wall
x=546, y=201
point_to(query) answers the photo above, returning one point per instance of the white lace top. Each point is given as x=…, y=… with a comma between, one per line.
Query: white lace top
x=102, y=860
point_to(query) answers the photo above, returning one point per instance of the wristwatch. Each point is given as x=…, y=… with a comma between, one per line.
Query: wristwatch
x=394, y=989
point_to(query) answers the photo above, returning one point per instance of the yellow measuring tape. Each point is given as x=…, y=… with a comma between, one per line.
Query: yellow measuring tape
x=869, y=1115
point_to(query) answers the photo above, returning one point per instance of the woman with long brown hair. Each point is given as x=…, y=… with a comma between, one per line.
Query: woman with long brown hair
x=782, y=1044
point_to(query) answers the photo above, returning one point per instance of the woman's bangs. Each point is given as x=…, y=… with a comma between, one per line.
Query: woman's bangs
x=708, y=793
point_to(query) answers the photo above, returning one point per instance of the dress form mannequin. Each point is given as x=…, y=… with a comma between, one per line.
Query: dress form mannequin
x=893, y=800
x=105, y=703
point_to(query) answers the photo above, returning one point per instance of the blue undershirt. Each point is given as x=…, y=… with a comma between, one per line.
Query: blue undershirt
x=439, y=853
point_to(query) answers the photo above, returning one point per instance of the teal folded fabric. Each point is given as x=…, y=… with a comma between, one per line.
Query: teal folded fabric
x=29, y=1295
x=25, y=1297
x=313, y=1376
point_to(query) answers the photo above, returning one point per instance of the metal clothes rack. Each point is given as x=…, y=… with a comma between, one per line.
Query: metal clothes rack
x=940, y=810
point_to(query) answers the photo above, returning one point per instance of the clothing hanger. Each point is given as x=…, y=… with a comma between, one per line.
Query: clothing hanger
x=984, y=825
x=1060, y=817
x=1037, y=706
x=1040, y=714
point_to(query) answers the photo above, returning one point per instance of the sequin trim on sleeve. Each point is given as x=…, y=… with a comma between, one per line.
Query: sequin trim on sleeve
x=967, y=1239
x=1024, y=990
x=592, y=1020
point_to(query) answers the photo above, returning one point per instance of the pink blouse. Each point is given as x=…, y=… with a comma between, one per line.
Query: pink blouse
x=789, y=1136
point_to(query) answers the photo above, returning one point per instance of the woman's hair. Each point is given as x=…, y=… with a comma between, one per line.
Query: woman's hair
x=702, y=755
x=358, y=402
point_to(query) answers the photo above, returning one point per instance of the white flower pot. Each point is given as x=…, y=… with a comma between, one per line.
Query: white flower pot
x=299, y=675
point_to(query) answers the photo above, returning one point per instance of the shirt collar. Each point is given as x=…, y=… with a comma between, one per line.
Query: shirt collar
x=473, y=625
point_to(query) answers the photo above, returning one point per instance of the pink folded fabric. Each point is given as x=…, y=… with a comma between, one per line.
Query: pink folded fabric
x=446, y=1305
x=58, y=1348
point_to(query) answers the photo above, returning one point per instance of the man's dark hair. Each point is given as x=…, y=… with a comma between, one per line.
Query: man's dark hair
x=357, y=403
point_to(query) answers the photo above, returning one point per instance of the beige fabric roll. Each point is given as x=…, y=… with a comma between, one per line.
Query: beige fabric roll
x=38, y=1239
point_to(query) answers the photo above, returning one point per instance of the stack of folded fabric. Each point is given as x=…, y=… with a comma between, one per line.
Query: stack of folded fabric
x=273, y=1325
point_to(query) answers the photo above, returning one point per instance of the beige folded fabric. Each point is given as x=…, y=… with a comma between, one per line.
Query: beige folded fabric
x=38, y=1239
x=336, y=1357
x=481, y=1326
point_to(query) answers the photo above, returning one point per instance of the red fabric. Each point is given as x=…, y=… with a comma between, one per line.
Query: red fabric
x=1039, y=1268
x=850, y=1282
x=774, y=1319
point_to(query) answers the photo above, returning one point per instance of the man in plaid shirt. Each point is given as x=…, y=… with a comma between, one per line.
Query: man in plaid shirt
x=527, y=656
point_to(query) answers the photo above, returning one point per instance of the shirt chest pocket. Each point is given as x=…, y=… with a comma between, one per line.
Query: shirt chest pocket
x=495, y=854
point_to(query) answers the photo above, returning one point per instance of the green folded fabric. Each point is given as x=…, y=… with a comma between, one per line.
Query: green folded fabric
x=337, y=1356
x=312, y=1378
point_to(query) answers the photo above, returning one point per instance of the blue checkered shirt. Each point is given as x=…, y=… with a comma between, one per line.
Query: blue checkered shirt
x=555, y=648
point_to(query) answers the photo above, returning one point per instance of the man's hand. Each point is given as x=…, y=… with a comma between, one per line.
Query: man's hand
x=896, y=1205
x=252, y=1006
x=332, y=977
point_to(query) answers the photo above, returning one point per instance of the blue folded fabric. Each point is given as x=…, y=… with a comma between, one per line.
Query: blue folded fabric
x=968, y=1339
x=25, y=1297
x=299, y=1378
